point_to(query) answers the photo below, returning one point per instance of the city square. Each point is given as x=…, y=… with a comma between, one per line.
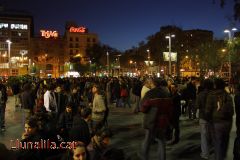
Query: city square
x=120, y=80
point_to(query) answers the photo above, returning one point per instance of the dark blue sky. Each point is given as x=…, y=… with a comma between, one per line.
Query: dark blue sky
x=123, y=23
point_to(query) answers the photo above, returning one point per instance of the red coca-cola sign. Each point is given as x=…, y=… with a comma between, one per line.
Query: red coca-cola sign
x=78, y=29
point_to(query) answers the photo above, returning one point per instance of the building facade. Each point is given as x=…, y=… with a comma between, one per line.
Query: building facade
x=17, y=27
x=78, y=40
x=47, y=54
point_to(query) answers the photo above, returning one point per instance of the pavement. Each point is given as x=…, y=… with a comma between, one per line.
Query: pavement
x=128, y=133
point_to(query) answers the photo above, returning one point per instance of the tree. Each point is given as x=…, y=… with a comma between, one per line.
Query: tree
x=236, y=8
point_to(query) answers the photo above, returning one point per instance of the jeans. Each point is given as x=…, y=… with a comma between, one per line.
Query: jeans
x=2, y=115
x=137, y=105
x=149, y=137
x=125, y=100
x=191, y=109
x=205, y=129
x=221, y=139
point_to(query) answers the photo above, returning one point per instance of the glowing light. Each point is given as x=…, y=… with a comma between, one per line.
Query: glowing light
x=49, y=34
x=77, y=30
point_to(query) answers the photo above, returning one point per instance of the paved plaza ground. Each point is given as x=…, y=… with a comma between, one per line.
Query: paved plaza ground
x=128, y=133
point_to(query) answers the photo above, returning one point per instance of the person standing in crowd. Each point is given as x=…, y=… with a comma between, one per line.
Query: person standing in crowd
x=146, y=87
x=137, y=87
x=50, y=100
x=74, y=99
x=109, y=91
x=157, y=108
x=219, y=110
x=125, y=95
x=65, y=122
x=116, y=92
x=99, y=108
x=3, y=101
x=60, y=100
x=16, y=88
x=27, y=101
x=176, y=97
x=191, y=98
x=205, y=126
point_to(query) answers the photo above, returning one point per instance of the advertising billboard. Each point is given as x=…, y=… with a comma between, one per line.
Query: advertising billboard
x=173, y=56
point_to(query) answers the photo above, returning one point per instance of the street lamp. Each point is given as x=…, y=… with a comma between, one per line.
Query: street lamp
x=148, y=60
x=23, y=52
x=9, y=55
x=108, y=64
x=229, y=32
x=169, y=37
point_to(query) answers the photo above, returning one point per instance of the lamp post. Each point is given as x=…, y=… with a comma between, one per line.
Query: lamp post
x=9, y=55
x=169, y=37
x=23, y=52
x=108, y=67
x=148, y=60
x=229, y=32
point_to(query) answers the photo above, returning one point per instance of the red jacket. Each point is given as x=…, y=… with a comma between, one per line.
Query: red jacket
x=162, y=111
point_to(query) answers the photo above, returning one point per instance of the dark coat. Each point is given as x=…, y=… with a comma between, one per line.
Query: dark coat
x=157, y=106
x=201, y=102
x=61, y=101
x=219, y=107
x=27, y=100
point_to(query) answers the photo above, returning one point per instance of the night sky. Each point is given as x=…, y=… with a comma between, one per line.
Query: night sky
x=124, y=23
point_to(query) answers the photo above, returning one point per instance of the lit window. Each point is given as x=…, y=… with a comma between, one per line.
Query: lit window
x=3, y=25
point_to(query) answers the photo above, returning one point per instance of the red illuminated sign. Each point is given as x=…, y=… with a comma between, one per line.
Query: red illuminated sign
x=77, y=30
x=49, y=34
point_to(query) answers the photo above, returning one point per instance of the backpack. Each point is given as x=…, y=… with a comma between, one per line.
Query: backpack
x=224, y=107
x=124, y=92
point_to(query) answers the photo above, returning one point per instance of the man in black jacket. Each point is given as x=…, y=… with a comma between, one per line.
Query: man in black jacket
x=61, y=100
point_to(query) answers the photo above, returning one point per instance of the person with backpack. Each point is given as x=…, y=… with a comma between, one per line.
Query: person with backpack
x=157, y=108
x=205, y=126
x=219, y=111
x=3, y=101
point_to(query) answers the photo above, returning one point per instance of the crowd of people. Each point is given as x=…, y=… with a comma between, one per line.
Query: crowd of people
x=76, y=110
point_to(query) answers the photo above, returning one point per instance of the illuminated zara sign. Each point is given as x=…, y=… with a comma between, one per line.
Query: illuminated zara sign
x=49, y=34
x=78, y=29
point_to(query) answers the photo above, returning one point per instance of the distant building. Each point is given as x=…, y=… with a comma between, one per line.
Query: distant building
x=78, y=40
x=47, y=52
x=16, y=26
